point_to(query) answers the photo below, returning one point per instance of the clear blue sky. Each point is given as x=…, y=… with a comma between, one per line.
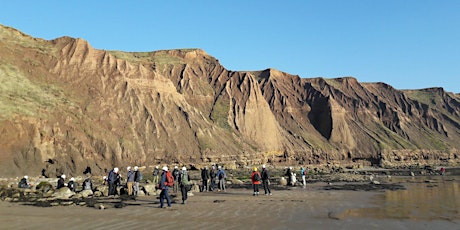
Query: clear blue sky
x=409, y=44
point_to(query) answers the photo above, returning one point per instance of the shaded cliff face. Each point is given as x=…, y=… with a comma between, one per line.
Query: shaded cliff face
x=65, y=106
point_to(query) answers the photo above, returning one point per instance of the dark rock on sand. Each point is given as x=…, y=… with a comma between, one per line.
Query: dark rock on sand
x=365, y=187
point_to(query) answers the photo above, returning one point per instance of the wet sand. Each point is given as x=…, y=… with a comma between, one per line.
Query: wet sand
x=298, y=208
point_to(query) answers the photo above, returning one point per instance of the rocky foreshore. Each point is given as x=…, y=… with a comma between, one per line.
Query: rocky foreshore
x=42, y=191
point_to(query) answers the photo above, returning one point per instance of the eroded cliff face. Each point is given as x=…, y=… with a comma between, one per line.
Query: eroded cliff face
x=65, y=106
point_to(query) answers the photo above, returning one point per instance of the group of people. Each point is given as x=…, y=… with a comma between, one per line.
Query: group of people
x=181, y=181
x=291, y=176
x=133, y=178
x=175, y=179
x=263, y=178
x=217, y=177
x=72, y=184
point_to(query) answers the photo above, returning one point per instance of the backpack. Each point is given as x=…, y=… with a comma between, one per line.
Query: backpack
x=139, y=175
x=256, y=176
x=169, y=179
x=213, y=173
x=184, y=179
x=222, y=175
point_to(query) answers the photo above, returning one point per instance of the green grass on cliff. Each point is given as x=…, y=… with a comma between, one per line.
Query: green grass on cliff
x=17, y=40
x=424, y=97
x=220, y=113
x=20, y=96
x=158, y=57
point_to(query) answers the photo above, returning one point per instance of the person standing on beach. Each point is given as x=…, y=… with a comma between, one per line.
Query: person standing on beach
x=213, y=175
x=112, y=180
x=156, y=175
x=61, y=182
x=184, y=181
x=164, y=188
x=443, y=171
x=176, y=173
x=130, y=180
x=221, y=175
x=266, y=181
x=204, y=178
x=255, y=178
x=289, y=175
x=303, y=172
x=137, y=179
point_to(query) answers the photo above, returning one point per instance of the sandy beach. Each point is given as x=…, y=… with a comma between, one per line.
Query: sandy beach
x=296, y=208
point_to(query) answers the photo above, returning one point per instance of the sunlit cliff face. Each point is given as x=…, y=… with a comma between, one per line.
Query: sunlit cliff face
x=66, y=106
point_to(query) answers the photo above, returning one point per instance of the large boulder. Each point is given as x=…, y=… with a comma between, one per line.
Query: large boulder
x=44, y=187
x=150, y=188
x=141, y=193
x=103, y=189
x=98, y=194
x=86, y=193
x=236, y=181
x=283, y=181
x=195, y=188
x=63, y=193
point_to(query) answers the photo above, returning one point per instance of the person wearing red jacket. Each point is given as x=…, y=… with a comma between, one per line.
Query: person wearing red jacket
x=255, y=178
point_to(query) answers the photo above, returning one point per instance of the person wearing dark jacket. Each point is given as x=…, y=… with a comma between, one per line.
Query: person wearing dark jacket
x=164, y=189
x=266, y=181
x=112, y=180
x=137, y=180
x=213, y=176
x=184, y=181
x=23, y=183
x=176, y=173
x=221, y=175
x=289, y=175
x=61, y=182
x=130, y=180
x=72, y=185
x=204, y=178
